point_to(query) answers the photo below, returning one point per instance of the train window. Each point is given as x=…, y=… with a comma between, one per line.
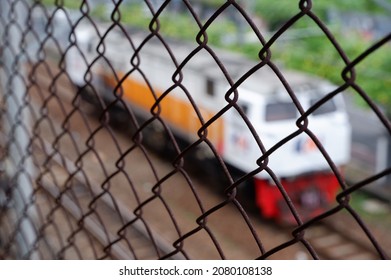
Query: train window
x=210, y=87
x=244, y=107
x=279, y=111
x=327, y=107
x=89, y=47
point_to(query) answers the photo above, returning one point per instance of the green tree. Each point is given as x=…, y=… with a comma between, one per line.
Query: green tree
x=303, y=47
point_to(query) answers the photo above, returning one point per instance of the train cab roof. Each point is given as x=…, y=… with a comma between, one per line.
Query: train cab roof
x=246, y=73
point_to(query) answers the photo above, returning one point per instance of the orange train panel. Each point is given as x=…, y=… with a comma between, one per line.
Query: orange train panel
x=178, y=113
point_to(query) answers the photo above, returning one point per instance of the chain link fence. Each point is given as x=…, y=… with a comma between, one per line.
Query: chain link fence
x=135, y=130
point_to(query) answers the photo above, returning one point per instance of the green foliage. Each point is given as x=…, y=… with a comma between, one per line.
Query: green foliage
x=70, y=4
x=316, y=55
x=181, y=26
x=304, y=47
x=278, y=12
x=373, y=76
x=100, y=12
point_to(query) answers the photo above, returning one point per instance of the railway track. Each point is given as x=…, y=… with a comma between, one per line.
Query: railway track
x=103, y=218
x=331, y=243
x=138, y=245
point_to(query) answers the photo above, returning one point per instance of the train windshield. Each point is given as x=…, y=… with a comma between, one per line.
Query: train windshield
x=327, y=107
x=280, y=111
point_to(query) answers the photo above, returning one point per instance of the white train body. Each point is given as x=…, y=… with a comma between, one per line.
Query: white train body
x=262, y=97
x=274, y=118
x=193, y=97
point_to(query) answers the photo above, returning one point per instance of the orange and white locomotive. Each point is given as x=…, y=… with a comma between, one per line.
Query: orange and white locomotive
x=140, y=71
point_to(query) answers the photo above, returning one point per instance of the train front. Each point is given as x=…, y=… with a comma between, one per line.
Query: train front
x=300, y=152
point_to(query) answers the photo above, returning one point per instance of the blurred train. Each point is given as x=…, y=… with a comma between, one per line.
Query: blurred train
x=139, y=70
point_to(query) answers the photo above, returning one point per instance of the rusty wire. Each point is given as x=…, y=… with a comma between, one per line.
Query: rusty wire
x=68, y=211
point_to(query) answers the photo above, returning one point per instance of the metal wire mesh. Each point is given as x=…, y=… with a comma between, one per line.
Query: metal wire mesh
x=87, y=180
